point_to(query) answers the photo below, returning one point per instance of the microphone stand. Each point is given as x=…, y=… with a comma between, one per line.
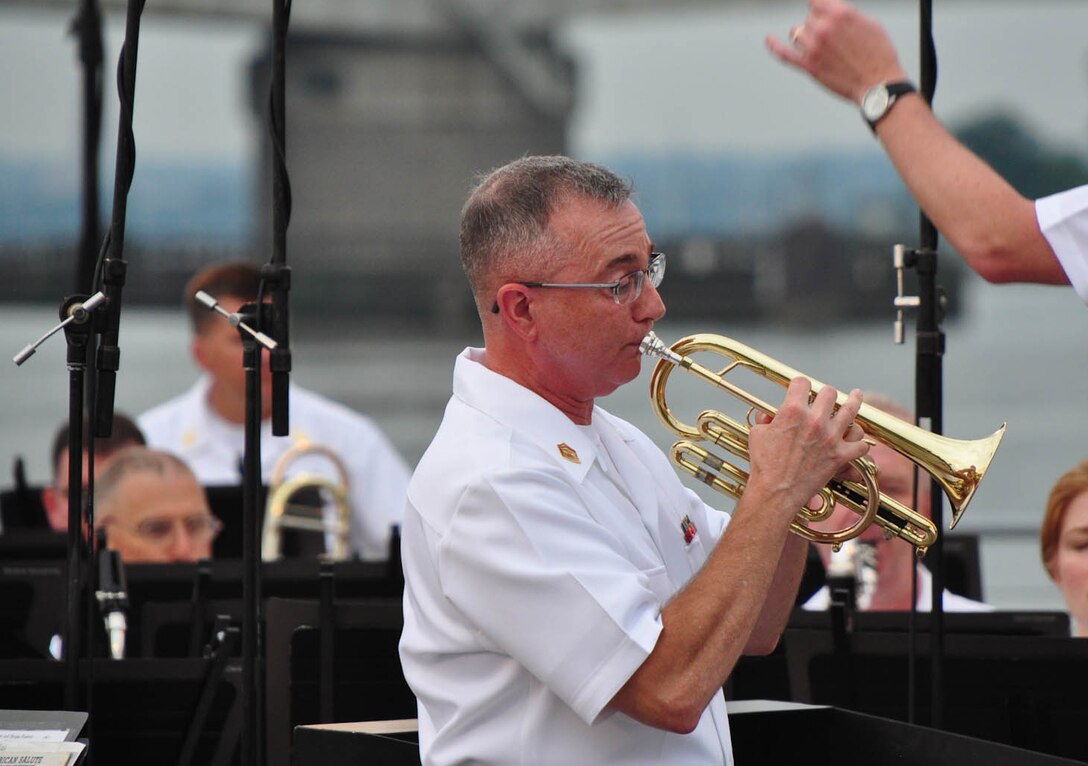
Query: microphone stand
x=928, y=377
x=929, y=391
x=252, y=729
x=75, y=314
x=246, y=320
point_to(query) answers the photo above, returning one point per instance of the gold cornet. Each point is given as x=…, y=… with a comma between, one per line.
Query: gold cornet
x=957, y=465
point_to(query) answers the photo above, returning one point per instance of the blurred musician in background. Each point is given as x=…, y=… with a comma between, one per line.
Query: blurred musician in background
x=1002, y=235
x=125, y=433
x=567, y=600
x=153, y=509
x=885, y=567
x=1064, y=541
x=205, y=426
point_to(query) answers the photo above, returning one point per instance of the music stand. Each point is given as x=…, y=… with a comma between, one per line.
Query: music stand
x=143, y=708
x=768, y=677
x=21, y=509
x=1020, y=690
x=30, y=592
x=161, y=596
x=368, y=681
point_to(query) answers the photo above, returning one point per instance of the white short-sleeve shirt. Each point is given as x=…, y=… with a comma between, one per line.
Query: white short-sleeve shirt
x=1063, y=220
x=213, y=448
x=537, y=557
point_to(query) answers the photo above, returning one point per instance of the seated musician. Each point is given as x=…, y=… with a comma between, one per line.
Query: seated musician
x=125, y=433
x=205, y=426
x=1064, y=541
x=153, y=509
x=885, y=574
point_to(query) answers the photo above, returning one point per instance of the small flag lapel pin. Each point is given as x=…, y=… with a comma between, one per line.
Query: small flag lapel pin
x=689, y=530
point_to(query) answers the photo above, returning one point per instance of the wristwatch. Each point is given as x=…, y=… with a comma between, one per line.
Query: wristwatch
x=878, y=100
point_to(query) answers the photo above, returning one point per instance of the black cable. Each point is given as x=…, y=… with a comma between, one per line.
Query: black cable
x=276, y=274
x=113, y=267
x=87, y=26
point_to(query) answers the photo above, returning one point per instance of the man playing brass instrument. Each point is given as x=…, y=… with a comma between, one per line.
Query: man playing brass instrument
x=567, y=600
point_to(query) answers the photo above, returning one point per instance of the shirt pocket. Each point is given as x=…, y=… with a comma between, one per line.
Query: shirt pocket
x=659, y=583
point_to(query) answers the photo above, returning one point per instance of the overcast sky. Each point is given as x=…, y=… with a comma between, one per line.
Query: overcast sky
x=692, y=79
x=190, y=79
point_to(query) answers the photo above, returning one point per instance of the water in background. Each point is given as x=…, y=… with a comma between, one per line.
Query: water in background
x=1017, y=354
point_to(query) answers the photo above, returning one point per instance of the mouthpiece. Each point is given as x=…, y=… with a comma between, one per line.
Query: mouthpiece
x=652, y=346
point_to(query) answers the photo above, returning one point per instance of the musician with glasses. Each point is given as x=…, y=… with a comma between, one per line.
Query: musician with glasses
x=153, y=509
x=567, y=600
x=1002, y=235
x=125, y=433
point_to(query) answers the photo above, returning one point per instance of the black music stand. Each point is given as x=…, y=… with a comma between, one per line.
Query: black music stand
x=172, y=607
x=143, y=710
x=21, y=509
x=30, y=592
x=1022, y=690
x=762, y=732
x=351, y=644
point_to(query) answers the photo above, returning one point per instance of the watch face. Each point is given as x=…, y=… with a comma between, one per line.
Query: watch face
x=875, y=102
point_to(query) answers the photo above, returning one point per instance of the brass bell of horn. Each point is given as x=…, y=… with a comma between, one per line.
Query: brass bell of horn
x=284, y=511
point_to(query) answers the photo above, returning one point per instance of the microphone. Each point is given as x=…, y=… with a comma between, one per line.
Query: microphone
x=112, y=595
x=852, y=574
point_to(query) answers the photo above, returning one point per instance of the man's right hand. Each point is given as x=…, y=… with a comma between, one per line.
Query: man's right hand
x=796, y=453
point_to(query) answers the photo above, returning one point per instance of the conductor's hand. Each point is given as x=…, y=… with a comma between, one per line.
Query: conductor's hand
x=796, y=453
x=842, y=48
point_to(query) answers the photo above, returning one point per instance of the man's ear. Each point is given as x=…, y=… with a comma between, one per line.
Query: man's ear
x=196, y=349
x=516, y=312
x=56, y=509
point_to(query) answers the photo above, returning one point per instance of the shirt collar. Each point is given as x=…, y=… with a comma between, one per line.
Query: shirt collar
x=523, y=411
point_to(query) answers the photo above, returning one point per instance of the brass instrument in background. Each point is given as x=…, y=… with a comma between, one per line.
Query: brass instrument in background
x=284, y=511
x=957, y=465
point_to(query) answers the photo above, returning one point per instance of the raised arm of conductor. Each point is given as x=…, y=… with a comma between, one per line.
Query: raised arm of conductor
x=989, y=223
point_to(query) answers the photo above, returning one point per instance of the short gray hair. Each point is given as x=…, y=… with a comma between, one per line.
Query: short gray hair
x=504, y=223
x=129, y=462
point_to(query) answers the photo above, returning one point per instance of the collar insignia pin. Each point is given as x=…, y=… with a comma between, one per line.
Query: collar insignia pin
x=567, y=453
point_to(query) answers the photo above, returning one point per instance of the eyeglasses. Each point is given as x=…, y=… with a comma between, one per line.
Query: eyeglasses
x=626, y=289
x=200, y=528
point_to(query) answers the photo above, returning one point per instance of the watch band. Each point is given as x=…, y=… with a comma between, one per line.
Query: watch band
x=893, y=90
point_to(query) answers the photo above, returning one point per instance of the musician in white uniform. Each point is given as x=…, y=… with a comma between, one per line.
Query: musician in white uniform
x=566, y=599
x=1002, y=235
x=884, y=571
x=205, y=426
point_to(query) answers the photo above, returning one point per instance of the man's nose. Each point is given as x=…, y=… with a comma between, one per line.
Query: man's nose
x=650, y=305
x=182, y=546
